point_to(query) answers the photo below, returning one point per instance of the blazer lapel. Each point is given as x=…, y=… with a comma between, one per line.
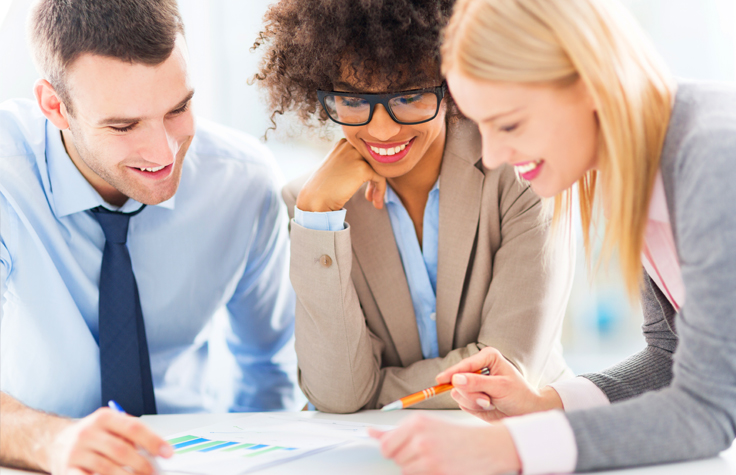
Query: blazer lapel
x=375, y=248
x=461, y=188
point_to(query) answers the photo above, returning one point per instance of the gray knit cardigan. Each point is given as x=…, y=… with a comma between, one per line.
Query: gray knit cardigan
x=676, y=399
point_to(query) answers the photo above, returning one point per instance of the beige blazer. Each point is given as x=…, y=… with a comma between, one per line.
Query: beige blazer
x=356, y=335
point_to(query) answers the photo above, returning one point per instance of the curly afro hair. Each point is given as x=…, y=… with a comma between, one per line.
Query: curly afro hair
x=314, y=44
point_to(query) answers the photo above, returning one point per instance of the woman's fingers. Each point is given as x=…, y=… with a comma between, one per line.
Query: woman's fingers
x=379, y=191
x=494, y=386
x=394, y=442
x=427, y=446
x=369, y=191
x=487, y=358
x=472, y=401
x=376, y=434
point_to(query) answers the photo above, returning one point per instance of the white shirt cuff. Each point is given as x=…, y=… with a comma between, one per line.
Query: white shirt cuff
x=545, y=442
x=328, y=221
x=580, y=393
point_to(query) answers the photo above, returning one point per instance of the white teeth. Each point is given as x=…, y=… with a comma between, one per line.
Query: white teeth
x=152, y=169
x=390, y=150
x=527, y=167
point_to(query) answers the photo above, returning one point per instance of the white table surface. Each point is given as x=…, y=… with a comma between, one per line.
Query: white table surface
x=365, y=458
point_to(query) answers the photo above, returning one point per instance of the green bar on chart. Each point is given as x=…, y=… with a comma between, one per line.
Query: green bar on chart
x=238, y=447
x=200, y=447
x=181, y=439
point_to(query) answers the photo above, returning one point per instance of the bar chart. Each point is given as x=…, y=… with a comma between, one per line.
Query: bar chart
x=253, y=442
x=191, y=443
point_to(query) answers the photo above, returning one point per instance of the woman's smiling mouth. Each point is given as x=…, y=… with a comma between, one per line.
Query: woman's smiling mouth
x=389, y=152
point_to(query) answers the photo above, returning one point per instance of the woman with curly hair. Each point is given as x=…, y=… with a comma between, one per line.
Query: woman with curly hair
x=407, y=254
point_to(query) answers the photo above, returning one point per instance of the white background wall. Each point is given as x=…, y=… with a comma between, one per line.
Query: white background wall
x=696, y=38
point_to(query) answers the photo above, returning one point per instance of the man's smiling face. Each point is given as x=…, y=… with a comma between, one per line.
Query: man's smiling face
x=131, y=124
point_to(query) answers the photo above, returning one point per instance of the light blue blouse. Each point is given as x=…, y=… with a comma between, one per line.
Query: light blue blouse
x=420, y=263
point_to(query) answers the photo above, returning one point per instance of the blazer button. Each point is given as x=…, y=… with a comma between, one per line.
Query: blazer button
x=325, y=260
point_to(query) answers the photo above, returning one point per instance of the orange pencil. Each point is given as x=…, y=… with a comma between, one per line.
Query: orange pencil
x=416, y=398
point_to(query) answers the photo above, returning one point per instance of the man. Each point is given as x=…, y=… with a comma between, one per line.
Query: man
x=121, y=235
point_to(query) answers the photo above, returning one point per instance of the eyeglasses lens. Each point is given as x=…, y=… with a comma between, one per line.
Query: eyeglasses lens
x=414, y=107
x=349, y=110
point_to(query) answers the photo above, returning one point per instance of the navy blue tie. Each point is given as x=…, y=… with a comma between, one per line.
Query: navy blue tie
x=125, y=367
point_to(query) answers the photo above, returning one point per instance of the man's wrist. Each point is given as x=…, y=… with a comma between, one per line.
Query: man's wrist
x=45, y=448
x=28, y=435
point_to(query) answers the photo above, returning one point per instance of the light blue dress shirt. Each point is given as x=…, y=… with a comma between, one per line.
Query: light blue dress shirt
x=420, y=263
x=219, y=246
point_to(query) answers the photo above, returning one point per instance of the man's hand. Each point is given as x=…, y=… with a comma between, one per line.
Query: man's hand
x=104, y=443
x=503, y=393
x=338, y=178
x=422, y=445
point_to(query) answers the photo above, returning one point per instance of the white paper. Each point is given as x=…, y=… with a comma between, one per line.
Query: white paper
x=275, y=439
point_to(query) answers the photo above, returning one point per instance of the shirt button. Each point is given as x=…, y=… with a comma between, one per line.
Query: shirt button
x=325, y=260
x=433, y=317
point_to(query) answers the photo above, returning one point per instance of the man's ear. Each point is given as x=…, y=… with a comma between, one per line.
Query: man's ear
x=50, y=104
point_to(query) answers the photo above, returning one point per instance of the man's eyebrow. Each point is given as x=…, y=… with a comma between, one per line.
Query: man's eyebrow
x=184, y=102
x=131, y=120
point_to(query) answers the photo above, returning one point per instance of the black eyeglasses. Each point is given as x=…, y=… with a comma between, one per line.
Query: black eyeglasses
x=407, y=108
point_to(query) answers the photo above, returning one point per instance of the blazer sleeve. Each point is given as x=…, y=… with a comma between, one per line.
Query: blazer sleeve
x=331, y=334
x=328, y=309
x=695, y=415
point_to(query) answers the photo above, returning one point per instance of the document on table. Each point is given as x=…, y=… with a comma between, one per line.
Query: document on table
x=257, y=441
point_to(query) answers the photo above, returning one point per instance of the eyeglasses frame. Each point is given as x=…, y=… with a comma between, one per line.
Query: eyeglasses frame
x=375, y=99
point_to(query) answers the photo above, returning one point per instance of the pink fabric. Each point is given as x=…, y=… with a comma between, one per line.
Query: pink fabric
x=659, y=255
x=539, y=438
x=545, y=441
x=580, y=393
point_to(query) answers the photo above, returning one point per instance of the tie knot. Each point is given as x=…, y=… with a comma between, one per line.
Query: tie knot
x=114, y=224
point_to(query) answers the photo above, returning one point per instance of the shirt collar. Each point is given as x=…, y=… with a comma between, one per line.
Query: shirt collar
x=658, y=204
x=70, y=191
x=391, y=197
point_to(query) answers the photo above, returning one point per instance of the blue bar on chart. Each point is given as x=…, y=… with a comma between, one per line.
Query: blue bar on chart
x=181, y=445
x=218, y=447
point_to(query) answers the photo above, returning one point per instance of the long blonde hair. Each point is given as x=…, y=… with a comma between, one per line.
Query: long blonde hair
x=557, y=42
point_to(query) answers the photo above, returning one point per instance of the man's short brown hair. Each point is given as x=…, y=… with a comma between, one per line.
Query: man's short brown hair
x=136, y=31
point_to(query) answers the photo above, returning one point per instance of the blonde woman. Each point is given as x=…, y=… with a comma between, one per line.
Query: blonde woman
x=568, y=91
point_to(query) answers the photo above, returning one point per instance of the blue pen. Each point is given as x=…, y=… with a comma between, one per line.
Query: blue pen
x=151, y=459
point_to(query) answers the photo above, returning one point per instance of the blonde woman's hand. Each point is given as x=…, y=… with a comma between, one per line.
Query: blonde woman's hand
x=501, y=394
x=422, y=445
x=338, y=178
